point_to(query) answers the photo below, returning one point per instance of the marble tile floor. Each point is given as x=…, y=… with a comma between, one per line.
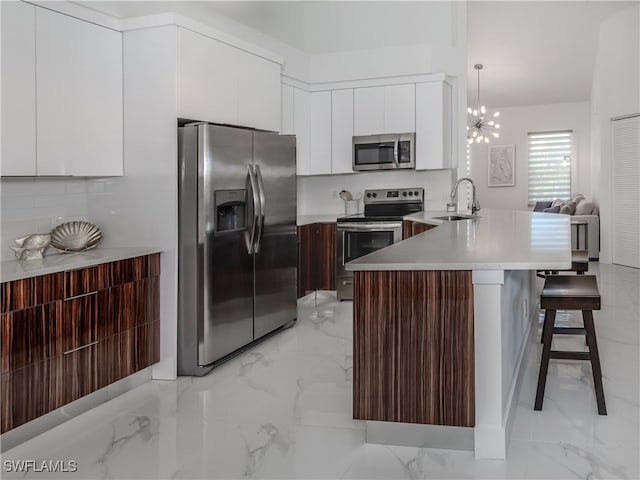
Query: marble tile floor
x=283, y=410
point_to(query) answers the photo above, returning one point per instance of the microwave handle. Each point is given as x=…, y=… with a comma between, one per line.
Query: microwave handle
x=395, y=153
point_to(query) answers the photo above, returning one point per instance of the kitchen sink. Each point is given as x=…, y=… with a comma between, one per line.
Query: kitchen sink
x=453, y=218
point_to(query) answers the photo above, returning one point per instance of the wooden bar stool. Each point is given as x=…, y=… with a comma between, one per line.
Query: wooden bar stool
x=569, y=292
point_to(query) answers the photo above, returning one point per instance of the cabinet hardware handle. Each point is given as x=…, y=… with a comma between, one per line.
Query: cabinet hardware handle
x=79, y=348
x=80, y=296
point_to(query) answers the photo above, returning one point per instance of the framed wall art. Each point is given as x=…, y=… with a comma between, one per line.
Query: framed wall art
x=502, y=166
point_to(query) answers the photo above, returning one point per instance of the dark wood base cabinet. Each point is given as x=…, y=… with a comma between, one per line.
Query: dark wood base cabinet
x=68, y=334
x=413, y=359
x=316, y=257
x=411, y=228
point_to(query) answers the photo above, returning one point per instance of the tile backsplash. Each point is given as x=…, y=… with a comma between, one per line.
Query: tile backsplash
x=36, y=205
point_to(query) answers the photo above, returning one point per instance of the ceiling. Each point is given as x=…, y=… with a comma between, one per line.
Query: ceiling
x=533, y=52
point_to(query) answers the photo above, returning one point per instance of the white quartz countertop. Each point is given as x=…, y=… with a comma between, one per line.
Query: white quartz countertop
x=19, y=269
x=318, y=218
x=495, y=240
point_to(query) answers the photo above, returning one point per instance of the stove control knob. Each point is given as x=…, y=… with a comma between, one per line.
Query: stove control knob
x=411, y=194
x=404, y=194
x=415, y=193
x=368, y=195
x=374, y=194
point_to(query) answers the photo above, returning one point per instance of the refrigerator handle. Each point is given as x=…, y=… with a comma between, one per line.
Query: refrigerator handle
x=256, y=209
x=258, y=241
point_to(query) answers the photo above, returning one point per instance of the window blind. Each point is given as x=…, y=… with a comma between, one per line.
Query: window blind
x=550, y=165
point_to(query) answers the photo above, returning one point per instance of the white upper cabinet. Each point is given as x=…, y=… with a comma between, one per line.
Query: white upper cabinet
x=341, y=130
x=368, y=111
x=400, y=108
x=258, y=92
x=223, y=84
x=320, y=133
x=207, y=90
x=302, y=130
x=18, y=89
x=79, y=97
x=434, y=126
x=385, y=109
x=286, y=102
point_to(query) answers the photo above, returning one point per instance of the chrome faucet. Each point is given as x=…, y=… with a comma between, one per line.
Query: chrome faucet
x=475, y=206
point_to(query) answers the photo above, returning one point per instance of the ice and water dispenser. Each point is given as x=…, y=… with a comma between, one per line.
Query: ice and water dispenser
x=231, y=210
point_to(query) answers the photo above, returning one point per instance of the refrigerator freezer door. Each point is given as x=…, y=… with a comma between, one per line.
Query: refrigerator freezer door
x=277, y=255
x=224, y=156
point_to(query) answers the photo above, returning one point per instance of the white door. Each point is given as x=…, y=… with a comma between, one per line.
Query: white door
x=79, y=97
x=368, y=111
x=320, y=133
x=626, y=191
x=342, y=131
x=400, y=108
x=18, y=89
x=301, y=117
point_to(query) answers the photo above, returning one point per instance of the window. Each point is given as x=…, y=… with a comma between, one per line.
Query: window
x=550, y=165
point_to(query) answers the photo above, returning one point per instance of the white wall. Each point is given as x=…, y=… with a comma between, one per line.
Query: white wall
x=515, y=124
x=317, y=195
x=615, y=92
x=30, y=205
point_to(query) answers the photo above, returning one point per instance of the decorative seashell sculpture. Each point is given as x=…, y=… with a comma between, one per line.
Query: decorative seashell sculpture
x=75, y=237
x=32, y=247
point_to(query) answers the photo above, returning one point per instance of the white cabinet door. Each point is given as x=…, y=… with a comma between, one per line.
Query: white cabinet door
x=79, y=97
x=301, y=121
x=368, y=111
x=207, y=84
x=258, y=92
x=286, y=126
x=320, y=133
x=433, y=126
x=18, y=89
x=341, y=131
x=399, y=108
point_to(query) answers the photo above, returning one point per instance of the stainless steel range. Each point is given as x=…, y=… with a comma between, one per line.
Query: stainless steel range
x=379, y=226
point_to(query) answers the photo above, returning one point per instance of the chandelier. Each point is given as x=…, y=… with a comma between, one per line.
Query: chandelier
x=478, y=127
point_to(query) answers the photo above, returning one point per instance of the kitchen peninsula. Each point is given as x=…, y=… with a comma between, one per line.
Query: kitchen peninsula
x=441, y=322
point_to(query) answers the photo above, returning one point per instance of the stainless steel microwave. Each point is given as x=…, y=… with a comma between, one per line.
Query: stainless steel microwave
x=384, y=152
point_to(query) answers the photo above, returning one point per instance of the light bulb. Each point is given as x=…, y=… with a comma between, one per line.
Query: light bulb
x=490, y=123
x=469, y=140
x=475, y=133
x=469, y=110
x=497, y=125
x=475, y=113
x=483, y=109
x=486, y=139
x=478, y=139
x=496, y=114
x=495, y=134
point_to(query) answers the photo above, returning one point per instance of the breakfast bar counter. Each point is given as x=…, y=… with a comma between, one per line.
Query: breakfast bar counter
x=441, y=322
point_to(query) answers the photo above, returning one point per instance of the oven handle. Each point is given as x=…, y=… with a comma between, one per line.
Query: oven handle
x=354, y=227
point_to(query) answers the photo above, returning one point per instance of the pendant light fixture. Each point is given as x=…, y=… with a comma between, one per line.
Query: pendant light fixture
x=479, y=128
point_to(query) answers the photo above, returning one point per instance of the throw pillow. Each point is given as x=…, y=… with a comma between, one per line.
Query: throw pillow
x=586, y=208
x=557, y=203
x=555, y=209
x=568, y=208
x=578, y=197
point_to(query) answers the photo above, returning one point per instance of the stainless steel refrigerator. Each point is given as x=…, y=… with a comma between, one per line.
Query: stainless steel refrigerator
x=237, y=259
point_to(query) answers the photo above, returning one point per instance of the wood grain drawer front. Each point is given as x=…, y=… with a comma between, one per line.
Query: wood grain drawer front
x=31, y=335
x=316, y=257
x=29, y=292
x=100, y=277
x=82, y=317
x=411, y=228
x=413, y=347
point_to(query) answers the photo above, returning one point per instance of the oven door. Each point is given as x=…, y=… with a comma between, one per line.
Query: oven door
x=354, y=240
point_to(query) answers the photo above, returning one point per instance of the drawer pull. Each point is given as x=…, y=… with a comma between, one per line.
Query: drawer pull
x=80, y=296
x=79, y=348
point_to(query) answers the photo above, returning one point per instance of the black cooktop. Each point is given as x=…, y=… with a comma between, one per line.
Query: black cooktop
x=363, y=217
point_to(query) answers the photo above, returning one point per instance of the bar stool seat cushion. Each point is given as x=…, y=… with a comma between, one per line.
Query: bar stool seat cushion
x=569, y=292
